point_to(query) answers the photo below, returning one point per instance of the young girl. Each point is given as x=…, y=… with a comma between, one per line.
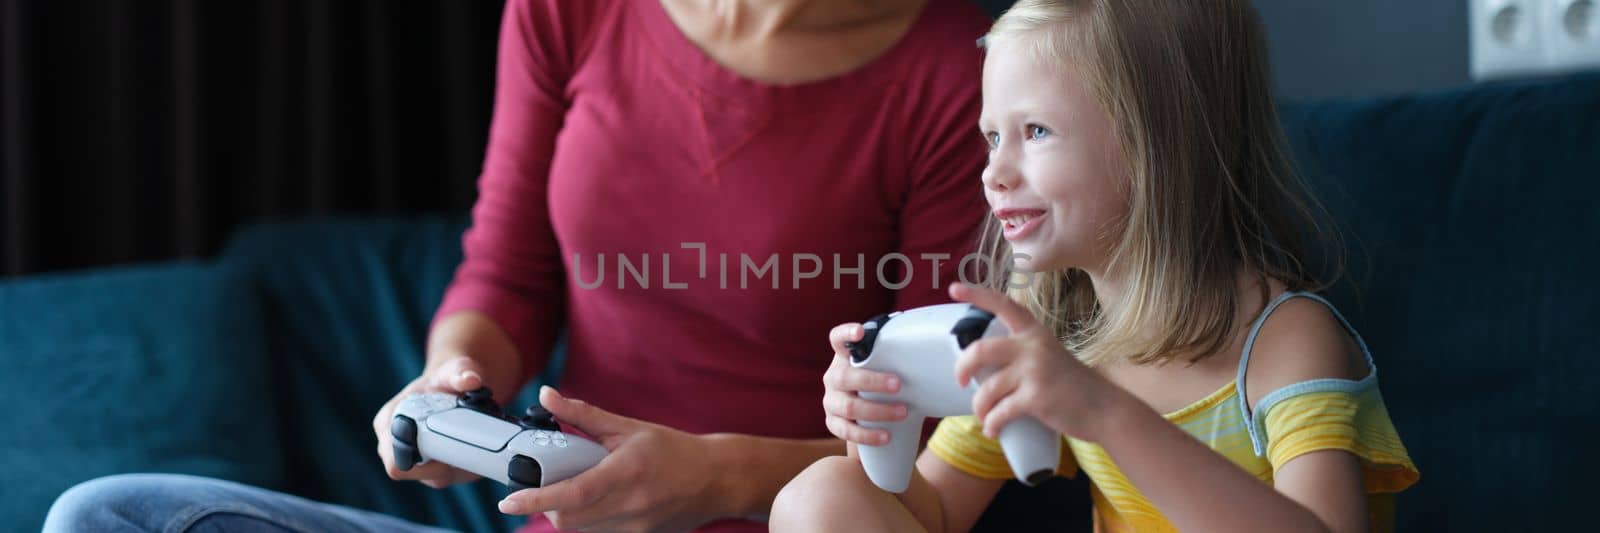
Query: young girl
x=1168, y=331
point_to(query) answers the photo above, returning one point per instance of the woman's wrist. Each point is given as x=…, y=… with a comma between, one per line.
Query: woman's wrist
x=728, y=490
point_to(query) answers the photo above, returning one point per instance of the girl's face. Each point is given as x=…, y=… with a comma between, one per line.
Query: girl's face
x=1054, y=163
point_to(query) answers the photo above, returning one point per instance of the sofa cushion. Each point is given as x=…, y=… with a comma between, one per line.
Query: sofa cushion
x=1472, y=223
x=349, y=302
x=141, y=369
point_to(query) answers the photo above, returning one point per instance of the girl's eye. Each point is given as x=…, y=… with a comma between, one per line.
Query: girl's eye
x=993, y=139
x=1037, y=132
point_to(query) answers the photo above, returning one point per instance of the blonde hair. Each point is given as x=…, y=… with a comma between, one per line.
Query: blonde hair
x=1211, y=187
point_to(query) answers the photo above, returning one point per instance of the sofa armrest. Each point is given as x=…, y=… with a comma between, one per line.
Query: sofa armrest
x=156, y=368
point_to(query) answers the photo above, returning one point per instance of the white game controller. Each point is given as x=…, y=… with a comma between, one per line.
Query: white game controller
x=921, y=346
x=469, y=432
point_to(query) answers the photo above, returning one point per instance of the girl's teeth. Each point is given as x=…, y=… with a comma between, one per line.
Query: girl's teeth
x=1015, y=221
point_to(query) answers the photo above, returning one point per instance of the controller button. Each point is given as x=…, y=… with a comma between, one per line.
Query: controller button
x=404, y=431
x=404, y=428
x=405, y=456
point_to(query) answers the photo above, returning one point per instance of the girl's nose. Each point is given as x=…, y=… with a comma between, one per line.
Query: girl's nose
x=1000, y=175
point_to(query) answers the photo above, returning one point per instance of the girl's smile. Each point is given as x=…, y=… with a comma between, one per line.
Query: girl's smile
x=1019, y=223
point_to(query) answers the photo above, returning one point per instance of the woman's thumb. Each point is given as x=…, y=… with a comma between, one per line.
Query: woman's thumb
x=460, y=374
x=595, y=421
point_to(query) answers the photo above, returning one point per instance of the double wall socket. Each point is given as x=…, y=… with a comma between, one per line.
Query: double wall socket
x=1526, y=37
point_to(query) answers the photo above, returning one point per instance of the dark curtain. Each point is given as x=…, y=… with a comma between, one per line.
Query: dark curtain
x=144, y=130
x=141, y=130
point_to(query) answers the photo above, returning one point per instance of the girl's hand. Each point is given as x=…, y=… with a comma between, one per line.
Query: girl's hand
x=1033, y=374
x=844, y=407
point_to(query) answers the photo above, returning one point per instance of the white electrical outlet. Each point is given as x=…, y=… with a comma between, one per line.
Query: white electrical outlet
x=1522, y=37
x=1571, y=34
x=1506, y=37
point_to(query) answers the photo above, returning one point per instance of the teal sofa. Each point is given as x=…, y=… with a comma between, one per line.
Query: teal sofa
x=1471, y=215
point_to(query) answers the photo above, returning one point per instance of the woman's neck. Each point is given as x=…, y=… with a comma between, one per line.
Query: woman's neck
x=764, y=18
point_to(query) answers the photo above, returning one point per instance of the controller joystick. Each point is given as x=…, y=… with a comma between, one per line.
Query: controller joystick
x=537, y=417
x=480, y=399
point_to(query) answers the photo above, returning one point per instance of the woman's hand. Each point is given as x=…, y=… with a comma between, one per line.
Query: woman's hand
x=453, y=376
x=841, y=401
x=655, y=478
x=1033, y=374
x=493, y=363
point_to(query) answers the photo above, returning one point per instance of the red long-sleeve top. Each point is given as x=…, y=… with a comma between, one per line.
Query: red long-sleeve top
x=616, y=139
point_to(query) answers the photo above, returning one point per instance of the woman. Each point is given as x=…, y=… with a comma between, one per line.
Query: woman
x=798, y=143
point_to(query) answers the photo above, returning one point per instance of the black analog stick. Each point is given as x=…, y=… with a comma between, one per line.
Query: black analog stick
x=480, y=399
x=971, y=326
x=862, y=349
x=537, y=417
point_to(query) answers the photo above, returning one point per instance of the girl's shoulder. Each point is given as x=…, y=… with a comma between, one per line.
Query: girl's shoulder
x=1300, y=337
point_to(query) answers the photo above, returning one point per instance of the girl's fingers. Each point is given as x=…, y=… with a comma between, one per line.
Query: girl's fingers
x=994, y=352
x=1004, y=412
x=992, y=390
x=852, y=407
x=852, y=432
x=861, y=380
x=842, y=334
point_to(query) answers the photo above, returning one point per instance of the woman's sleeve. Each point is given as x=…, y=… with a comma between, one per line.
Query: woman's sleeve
x=1356, y=422
x=960, y=443
x=512, y=270
x=944, y=206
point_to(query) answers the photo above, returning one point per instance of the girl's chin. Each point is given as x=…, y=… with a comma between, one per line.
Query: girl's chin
x=1027, y=262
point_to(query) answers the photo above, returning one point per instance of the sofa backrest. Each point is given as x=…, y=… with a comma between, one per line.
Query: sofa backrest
x=1471, y=215
x=347, y=304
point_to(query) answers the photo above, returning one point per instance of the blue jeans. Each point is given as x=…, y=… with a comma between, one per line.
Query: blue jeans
x=176, y=503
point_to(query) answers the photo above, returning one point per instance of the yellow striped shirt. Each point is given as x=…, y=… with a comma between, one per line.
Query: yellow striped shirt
x=1304, y=417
